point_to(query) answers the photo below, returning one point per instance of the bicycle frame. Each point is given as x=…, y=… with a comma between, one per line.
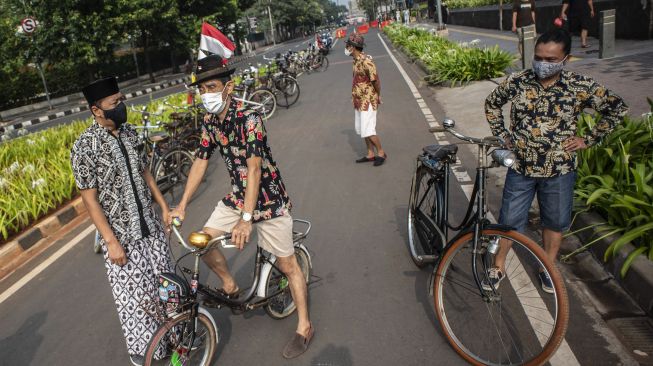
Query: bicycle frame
x=475, y=216
x=244, y=302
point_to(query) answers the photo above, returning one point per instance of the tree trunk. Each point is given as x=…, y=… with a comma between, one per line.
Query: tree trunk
x=501, y=15
x=148, y=61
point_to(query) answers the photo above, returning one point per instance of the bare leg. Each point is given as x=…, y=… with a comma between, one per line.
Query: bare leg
x=500, y=258
x=370, y=147
x=552, y=240
x=218, y=264
x=583, y=37
x=377, y=143
x=290, y=267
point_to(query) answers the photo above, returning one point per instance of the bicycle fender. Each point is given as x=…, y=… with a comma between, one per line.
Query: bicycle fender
x=265, y=271
x=208, y=315
x=499, y=227
x=267, y=267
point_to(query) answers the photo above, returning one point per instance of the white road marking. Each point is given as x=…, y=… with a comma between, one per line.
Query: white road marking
x=41, y=267
x=563, y=356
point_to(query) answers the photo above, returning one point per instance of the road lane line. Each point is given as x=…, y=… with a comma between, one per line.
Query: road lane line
x=41, y=267
x=564, y=355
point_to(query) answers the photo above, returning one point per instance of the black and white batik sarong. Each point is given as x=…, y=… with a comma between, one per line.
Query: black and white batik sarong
x=135, y=285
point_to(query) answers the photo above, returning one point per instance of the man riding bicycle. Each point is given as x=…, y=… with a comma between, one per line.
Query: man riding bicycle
x=258, y=197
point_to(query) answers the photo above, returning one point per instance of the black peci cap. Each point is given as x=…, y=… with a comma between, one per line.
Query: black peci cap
x=100, y=89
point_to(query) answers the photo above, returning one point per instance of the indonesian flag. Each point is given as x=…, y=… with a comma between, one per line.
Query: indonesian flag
x=214, y=42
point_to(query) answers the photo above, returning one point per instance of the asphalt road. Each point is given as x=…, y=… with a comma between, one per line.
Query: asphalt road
x=371, y=306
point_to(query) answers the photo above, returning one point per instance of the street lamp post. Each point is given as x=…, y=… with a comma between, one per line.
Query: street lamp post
x=138, y=73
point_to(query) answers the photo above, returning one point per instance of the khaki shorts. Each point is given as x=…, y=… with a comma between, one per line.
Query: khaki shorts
x=274, y=235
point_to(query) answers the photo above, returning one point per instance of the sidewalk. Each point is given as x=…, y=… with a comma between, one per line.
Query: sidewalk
x=629, y=73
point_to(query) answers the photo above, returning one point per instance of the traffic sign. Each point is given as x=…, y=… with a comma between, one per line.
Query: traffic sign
x=28, y=25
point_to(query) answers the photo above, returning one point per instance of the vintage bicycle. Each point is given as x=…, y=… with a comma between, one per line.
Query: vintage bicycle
x=188, y=334
x=513, y=323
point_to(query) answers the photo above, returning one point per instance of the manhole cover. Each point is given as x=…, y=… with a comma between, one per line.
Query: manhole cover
x=637, y=335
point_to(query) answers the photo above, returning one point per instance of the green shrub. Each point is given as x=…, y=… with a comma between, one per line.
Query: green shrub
x=35, y=172
x=447, y=61
x=459, y=4
x=615, y=179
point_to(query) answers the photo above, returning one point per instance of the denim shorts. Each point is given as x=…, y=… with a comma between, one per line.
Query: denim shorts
x=555, y=196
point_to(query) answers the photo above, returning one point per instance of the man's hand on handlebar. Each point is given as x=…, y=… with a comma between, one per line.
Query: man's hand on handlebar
x=178, y=213
x=240, y=233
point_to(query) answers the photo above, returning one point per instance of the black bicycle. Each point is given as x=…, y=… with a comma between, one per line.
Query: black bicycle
x=509, y=322
x=188, y=334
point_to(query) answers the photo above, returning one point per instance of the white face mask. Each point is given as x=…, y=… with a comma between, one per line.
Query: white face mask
x=347, y=52
x=213, y=102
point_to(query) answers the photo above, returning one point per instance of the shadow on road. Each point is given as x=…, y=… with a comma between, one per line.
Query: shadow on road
x=422, y=294
x=333, y=355
x=26, y=338
x=357, y=144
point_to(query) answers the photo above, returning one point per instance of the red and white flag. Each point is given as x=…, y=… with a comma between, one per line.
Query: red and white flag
x=214, y=42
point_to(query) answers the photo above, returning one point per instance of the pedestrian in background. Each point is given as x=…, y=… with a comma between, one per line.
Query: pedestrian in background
x=366, y=97
x=523, y=15
x=546, y=104
x=117, y=190
x=578, y=14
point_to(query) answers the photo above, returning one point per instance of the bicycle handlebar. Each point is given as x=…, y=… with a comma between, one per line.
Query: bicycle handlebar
x=176, y=223
x=448, y=127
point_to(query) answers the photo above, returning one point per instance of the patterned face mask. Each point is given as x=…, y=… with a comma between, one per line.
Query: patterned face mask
x=545, y=70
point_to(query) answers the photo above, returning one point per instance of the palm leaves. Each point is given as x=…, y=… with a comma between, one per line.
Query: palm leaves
x=616, y=180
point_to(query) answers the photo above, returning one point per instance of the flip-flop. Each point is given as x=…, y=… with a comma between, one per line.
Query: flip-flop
x=365, y=159
x=585, y=46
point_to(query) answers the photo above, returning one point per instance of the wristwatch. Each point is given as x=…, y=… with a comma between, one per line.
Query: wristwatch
x=247, y=217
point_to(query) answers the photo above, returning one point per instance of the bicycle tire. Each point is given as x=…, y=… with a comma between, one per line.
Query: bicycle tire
x=282, y=305
x=269, y=101
x=324, y=64
x=459, y=305
x=163, y=335
x=423, y=220
x=288, y=91
x=171, y=173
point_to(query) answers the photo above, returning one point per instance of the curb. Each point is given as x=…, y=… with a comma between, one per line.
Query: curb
x=17, y=251
x=638, y=281
x=49, y=117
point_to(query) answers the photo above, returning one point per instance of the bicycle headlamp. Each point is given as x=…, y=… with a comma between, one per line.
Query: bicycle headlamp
x=504, y=157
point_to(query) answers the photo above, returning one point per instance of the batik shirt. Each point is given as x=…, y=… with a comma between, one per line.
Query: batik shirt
x=543, y=118
x=240, y=136
x=362, y=91
x=114, y=166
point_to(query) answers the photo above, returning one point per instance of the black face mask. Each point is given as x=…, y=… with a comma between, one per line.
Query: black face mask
x=118, y=114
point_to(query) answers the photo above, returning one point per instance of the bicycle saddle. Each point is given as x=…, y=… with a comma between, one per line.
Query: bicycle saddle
x=158, y=136
x=440, y=151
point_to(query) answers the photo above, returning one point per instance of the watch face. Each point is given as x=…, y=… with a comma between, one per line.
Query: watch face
x=247, y=216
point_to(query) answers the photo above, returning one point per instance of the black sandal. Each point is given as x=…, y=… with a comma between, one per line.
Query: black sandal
x=365, y=159
x=379, y=160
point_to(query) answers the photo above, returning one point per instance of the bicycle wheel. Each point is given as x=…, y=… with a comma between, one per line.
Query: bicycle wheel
x=520, y=324
x=171, y=173
x=268, y=101
x=175, y=336
x=286, y=91
x=425, y=214
x=324, y=64
x=282, y=305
